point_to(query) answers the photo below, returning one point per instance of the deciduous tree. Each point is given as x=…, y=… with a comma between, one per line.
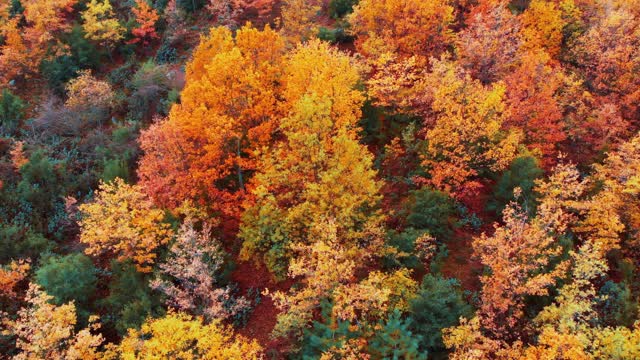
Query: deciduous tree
x=319, y=170
x=464, y=135
x=146, y=17
x=542, y=26
x=46, y=331
x=190, y=276
x=531, y=97
x=122, y=221
x=520, y=258
x=229, y=108
x=397, y=38
x=180, y=335
x=100, y=23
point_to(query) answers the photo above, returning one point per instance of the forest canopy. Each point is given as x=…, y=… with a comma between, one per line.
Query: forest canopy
x=319, y=179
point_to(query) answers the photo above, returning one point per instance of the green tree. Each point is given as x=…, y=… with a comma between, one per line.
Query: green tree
x=522, y=173
x=68, y=278
x=39, y=191
x=395, y=340
x=18, y=242
x=11, y=111
x=439, y=304
x=130, y=299
x=330, y=333
x=431, y=210
x=618, y=305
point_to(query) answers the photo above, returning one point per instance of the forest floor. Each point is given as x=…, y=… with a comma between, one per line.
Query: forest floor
x=249, y=275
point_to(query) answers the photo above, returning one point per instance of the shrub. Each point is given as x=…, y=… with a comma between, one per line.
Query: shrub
x=11, y=112
x=190, y=6
x=40, y=189
x=166, y=54
x=150, y=84
x=85, y=92
x=18, y=242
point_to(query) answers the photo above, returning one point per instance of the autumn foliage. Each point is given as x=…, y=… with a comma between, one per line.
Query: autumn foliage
x=123, y=222
x=307, y=179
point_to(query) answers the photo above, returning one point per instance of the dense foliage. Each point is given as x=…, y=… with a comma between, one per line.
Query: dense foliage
x=319, y=179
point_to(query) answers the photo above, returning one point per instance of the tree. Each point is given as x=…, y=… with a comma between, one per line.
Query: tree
x=45, y=331
x=130, y=301
x=438, y=304
x=146, y=18
x=403, y=28
x=431, y=210
x=522, y=258
x=395, y=340
x=319, y=170
x=11, y=275
x=569, y=327
x=609, y=54
x=374, y=298
x=100, y=23
x=542, y=26
x=68, y=278
x=208, y=145
x=191, y=275
x=322, y=266
x=122, y=221
x=522, y=174
x=489, y=47
x=180, y=335
x=464, y=136
x=609, y=217
x=531, y=97
x=298, y=20
x=11, y=111
x=397, y=38
x=32, y=38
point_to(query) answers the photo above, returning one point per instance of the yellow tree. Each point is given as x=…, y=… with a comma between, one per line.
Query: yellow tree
x=323, y=266
x=327, y=271
x=100, y=23
x=228, y=110
x=297, y=20
x=464, y=133
x=542, y=26
x=179, y=336
x=611, y=217
x=46, y=331
x=319, y=169
x=567, y=329
x=122, y=221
